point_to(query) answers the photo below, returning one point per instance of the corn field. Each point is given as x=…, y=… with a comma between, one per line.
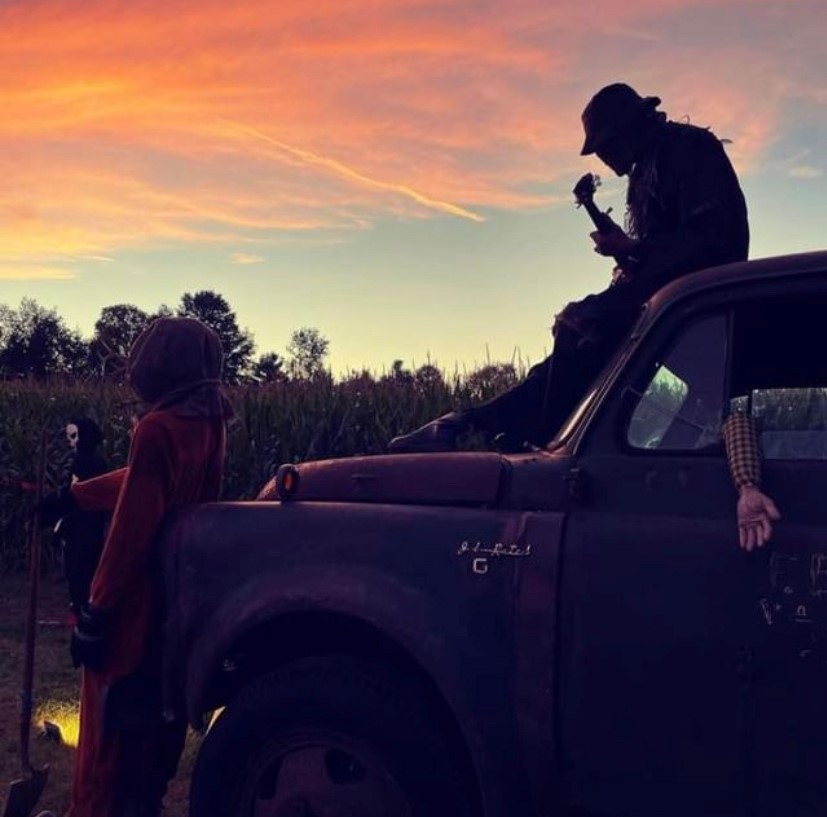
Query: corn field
x=287, y=421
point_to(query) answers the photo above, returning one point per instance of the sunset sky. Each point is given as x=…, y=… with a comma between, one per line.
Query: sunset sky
x=396, y=173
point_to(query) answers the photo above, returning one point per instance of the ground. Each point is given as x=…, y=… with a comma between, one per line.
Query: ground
x=55, y=693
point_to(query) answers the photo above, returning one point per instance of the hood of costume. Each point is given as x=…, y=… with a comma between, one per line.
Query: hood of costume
x=175, y=364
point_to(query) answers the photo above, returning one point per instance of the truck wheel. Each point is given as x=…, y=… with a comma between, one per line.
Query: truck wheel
x=329, y=736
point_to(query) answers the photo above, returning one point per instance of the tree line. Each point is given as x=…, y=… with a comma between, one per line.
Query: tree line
x=35, y=342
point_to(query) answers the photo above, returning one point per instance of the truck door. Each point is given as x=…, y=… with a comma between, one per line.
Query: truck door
x=692, y=672
x=779, y=375
x=654, y=592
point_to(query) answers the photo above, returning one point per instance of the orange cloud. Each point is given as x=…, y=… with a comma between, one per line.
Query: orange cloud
x=33, y=272
x=128, y=125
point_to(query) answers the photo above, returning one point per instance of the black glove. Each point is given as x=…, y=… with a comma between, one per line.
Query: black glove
x=54, y=506
x=89, y=639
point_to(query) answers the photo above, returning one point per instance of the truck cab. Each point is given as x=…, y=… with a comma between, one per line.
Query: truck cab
x=566, y=630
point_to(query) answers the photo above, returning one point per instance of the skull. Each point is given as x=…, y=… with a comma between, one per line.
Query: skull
x=72, y=435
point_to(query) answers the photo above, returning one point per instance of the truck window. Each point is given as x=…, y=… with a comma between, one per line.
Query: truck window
x=681, y=406
x=780, y=374
x=792, y=423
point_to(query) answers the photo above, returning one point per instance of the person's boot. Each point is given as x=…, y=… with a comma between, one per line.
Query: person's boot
x=45, y=814
x=438, y=435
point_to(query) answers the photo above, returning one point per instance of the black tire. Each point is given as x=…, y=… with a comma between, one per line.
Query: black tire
x=328, y=735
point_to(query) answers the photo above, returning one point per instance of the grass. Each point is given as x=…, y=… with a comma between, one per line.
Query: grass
x=56, y=696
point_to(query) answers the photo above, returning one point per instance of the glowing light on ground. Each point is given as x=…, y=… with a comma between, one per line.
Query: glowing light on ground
x=65, y=715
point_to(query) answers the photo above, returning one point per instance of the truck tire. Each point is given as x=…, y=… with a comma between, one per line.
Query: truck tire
x=328, y=736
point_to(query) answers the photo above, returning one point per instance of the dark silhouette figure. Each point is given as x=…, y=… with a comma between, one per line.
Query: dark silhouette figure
x=685, y=212
x=82, y=533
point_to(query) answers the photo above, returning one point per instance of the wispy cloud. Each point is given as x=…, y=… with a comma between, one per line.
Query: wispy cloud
x=244, y=258
x=350, y=173
x=806, y=172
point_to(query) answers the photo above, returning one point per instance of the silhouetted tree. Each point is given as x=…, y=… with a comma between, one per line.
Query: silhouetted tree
x=115, y=331
x=34, y=341
x=429, y=377
x=398, y=373
x=307, y=349
x=269, y=368
x=491, y=380
x=238, y=345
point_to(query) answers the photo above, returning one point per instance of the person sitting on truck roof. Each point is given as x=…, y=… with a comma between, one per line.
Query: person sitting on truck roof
x=685, y=212
x=127, y=751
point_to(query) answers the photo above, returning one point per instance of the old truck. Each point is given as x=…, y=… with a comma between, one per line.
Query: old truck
x=567, y=630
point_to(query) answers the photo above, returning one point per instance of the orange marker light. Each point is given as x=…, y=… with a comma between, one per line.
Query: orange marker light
x=287, y=482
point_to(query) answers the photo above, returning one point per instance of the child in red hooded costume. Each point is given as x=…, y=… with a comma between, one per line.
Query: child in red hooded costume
x=127, y=752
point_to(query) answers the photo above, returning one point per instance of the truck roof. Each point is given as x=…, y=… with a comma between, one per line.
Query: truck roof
x=781, y=266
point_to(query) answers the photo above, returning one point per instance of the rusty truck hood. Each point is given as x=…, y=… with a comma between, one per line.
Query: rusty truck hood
x=471, y=479
x=404, y=479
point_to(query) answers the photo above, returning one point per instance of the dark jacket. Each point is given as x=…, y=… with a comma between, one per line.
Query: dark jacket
x=685, y=204
x=82, y=532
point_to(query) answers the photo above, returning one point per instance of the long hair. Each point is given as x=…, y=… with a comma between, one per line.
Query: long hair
x=642, y=192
